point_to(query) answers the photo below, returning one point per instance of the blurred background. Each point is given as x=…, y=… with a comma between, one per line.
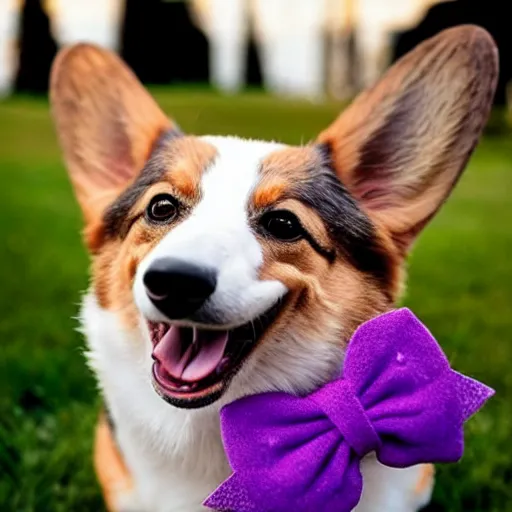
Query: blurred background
x=273, y=69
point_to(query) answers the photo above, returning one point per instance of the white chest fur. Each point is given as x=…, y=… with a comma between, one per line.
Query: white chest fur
x=176, y=456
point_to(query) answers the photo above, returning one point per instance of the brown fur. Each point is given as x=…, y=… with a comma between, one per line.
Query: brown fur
x=291, y=163
x=426, y=479
x=113, y=271
x=269, y=192
x=113, y=475
x=326, y=301
x=186, y=159
x=280, y=170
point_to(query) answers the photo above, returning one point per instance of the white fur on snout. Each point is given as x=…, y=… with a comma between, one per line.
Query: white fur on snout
x=217, y=234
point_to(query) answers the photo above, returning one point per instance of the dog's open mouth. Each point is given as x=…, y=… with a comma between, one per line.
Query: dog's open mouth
x=194, y=366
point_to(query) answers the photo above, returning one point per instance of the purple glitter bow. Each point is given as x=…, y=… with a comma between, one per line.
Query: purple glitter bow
x=398, y=397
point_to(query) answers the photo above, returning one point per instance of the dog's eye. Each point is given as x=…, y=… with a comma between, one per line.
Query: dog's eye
x=283, y=225
x=162, y=208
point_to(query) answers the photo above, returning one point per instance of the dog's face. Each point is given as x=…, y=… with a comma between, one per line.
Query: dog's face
x=249, y=264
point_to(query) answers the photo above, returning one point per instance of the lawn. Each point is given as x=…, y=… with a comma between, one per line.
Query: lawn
x=460, y=285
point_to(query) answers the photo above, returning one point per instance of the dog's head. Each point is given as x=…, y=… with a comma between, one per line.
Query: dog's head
x=252, y=262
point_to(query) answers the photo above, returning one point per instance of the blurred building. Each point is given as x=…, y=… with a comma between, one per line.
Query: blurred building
x=306, y=48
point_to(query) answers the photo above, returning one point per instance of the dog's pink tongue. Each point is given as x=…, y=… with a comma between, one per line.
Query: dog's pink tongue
x=198, y=361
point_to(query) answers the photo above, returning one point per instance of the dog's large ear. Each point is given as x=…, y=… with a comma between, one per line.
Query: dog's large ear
x=401, y=146
x=107, y=123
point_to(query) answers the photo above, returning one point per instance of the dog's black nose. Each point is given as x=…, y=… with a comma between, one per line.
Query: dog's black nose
x=178, y=288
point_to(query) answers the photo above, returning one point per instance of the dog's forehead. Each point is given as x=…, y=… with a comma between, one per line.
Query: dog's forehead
x=257, y=173
x=236, y=169
x=236, y=165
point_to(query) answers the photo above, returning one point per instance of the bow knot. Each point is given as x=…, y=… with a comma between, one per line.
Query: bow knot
x=348, y=415
x=397, y=397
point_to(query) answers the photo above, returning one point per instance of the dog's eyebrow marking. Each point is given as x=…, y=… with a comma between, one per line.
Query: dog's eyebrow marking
x=180, y=160
x=269, y=193
x=306, y=174
x=280, y=170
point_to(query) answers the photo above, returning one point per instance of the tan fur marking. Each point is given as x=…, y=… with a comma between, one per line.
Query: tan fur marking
x=279, y=170
x=93, y=235
x=184, y=182
x=426, y=479
x=327, y=301
x=112, y=473
x=187, y=158
x=114, y=269
x=292, y=161
x=269, y=192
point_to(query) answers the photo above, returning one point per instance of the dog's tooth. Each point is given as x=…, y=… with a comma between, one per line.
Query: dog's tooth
x=185, y=387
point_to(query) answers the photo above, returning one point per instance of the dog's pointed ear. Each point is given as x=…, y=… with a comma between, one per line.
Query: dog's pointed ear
x=107, y=123
x=401, y=146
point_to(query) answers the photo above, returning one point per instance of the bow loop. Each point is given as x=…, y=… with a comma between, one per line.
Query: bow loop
x=392, y=356
x=256, y=440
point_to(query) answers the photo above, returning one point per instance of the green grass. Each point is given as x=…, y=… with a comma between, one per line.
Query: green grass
x=460, y=285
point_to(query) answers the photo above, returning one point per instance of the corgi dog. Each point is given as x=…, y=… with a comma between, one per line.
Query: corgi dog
x=223, y=267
